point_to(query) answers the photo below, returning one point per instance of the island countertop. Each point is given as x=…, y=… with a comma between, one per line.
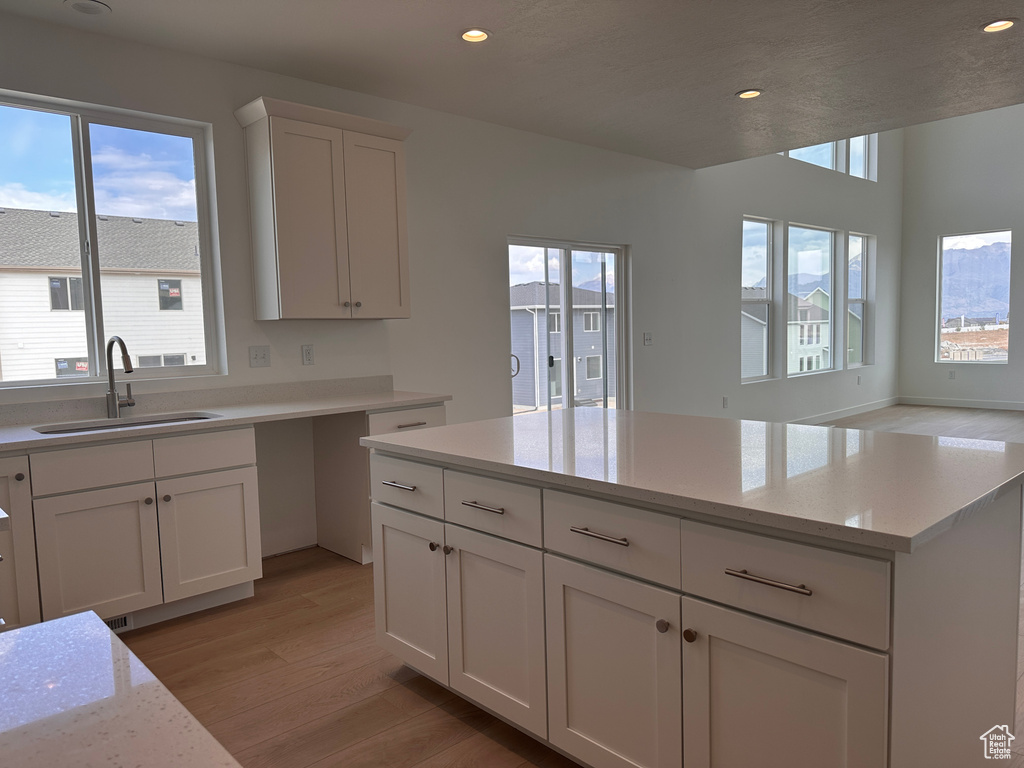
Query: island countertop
x=73, y=694
x=878, y=489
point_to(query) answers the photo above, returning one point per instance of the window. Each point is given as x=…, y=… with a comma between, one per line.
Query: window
x=155, y=361
x=856, y=297
x=572, y=364
x=974, y=298
x=144, y=179
x=66, y=293
x=850, y=156
x=755, y=304
x=170, y=294
x=809, y=271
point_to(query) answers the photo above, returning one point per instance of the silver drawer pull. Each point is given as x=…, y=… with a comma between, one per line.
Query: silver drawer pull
x=624, y=542
x=412, y=424
x=474, y=505
x=800, y=589
x=398, y=485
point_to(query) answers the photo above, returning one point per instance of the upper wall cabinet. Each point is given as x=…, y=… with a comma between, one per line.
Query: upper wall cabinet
x=327, y=206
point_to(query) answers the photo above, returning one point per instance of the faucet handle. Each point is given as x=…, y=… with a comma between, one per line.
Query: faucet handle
x=128, y=400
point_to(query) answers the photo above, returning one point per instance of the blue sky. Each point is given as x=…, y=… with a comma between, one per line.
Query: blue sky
x=135, y=173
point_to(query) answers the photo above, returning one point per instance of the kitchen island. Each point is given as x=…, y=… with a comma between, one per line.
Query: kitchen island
x=648, y=589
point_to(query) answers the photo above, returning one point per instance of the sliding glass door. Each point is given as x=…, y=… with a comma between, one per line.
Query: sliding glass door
x=565, y=330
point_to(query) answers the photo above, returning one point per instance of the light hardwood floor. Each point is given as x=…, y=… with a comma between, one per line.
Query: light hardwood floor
x=293, y=678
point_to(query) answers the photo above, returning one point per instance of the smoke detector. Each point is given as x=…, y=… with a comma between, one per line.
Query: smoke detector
x=88, y=7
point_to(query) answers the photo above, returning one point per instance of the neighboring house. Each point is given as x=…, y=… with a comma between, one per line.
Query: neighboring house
x=753, y=333
x=535, y=311
x=152, y=292
x=808, y=342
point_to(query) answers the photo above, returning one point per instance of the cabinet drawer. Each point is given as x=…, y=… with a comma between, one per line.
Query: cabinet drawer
x=505, y=509
x=404, y=421
x=94, y=466
x=627, y=539
x=186, y=454
x=406, y=484
x=849, y=594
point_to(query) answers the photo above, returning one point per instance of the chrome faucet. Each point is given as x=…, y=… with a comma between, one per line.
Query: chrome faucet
x=114, y=401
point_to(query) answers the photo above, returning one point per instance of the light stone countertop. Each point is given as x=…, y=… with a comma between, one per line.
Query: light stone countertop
x=22, y=437
x=74, y=695
x=877, y=489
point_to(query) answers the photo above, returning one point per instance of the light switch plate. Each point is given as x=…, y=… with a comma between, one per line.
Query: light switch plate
x=259, y=357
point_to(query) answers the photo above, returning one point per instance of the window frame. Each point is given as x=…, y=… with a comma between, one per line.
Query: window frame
x=866, y=252
x=595, y=315
x=767, y=301
x=586, y=367
x=555, y=322
x=830, y=336
x=81, y=117
x=841, y=149
x=161, y=297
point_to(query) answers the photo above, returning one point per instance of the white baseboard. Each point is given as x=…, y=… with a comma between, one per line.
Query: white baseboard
x=158, y=613
x=844, y=412
x=949, y=402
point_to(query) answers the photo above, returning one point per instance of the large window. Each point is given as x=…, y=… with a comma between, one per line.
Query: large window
x=573, y=363
x=809, y=260
x=755, y=304
x=855, y=156
x=107, y=208
x=974, y=298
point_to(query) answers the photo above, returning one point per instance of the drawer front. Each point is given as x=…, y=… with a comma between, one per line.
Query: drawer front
x=94, y=466
x=505, y=509
x=187, y=454
x=635, y=541
x=404, y=421
x=849, y=593
x=406, y=484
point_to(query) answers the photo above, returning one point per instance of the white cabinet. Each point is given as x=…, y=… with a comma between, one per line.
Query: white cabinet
x=19, y=591
x=760, y=693
x=614, y=688
x=98, y=550
x=464, y=608
x=180, y=533
x=209, y=531
x=327, y=207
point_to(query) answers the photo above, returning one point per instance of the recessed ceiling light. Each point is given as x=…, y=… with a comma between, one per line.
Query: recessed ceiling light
x=999, y=25
x=88, y=7
x=475, y=35
x=749, y=93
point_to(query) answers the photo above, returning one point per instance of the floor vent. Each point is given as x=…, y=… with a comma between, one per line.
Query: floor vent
x=120, y=623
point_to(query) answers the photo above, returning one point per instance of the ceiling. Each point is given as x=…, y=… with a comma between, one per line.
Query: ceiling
x=654, y=78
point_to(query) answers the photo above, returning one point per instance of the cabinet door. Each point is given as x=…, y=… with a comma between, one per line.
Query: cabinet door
x=760, y=693
x=496, y=626
x=409, y=589
x=613, y=675
x=19, y=587
x=209, y=531
x=375, y=202
x=98, y=550
x=309, y=212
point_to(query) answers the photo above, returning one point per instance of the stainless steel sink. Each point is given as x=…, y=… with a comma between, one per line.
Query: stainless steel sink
x=99, y=425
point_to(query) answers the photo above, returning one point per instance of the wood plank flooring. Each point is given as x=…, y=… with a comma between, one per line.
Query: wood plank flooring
x=293, y=678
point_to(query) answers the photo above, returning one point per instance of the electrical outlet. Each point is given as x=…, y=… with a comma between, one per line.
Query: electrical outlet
x=725, y=402
x=648, y=339
x=307, y=354
x=952, y=374
x=259, y=357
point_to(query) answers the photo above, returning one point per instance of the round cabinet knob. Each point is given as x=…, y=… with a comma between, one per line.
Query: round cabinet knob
x=448, y=550
x=661, y=625
x=149, y=499
x=167, y=497
x=433, y=546
x=359, y=303
x=347, y=304
x=20, y=476
x=689, y=635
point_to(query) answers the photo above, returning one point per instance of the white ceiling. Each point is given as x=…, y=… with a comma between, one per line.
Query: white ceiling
x=654, y=78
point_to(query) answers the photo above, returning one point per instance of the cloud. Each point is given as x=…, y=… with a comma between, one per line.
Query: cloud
x=970, y=242
x=15, y=195
x=139, y=185
x=526, y=265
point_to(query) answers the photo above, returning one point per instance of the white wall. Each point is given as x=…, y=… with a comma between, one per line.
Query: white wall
x=962, y=175
x=473, y=184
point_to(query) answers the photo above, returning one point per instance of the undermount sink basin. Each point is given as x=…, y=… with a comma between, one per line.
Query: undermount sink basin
x=97, y=425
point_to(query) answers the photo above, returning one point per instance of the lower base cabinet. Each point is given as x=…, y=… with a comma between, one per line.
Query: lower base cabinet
x=760, y=693
x=614, y=689
x=464, y=608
